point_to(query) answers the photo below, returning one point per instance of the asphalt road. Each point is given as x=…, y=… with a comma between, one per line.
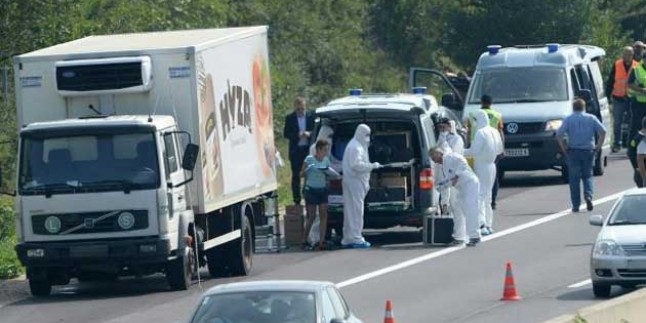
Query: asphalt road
x=548, y=247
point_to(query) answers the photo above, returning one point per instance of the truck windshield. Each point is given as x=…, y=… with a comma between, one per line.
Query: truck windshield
x=518, y=85
x=88, y=161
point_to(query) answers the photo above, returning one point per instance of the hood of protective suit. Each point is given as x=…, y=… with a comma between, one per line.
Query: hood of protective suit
x=325, y=133
x=453, y=129
x=362, y=135
x=482, y=119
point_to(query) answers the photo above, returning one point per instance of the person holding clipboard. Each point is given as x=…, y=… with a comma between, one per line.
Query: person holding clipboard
x=316, y=169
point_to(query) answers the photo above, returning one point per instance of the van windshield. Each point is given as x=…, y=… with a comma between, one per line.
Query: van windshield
x=517, y=85
x=78, y=161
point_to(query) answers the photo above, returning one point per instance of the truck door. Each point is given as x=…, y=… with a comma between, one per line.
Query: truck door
x=451, y=89
x=174, y=175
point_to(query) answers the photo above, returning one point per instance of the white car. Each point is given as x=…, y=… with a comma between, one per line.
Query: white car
x=619, y=253
x=274, y=301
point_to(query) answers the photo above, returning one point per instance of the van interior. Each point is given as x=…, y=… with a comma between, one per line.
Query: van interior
x=395, y=145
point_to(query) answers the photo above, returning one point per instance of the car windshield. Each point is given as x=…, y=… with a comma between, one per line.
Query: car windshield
x=517, y=85
x=87, y=161
x=257, y=307
x=630, y=210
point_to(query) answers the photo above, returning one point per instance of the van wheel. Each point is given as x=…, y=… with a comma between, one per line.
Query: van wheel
x=565, y=174
x=179, y=271
x=599, y=168
x=601, y=290
x=40, y=287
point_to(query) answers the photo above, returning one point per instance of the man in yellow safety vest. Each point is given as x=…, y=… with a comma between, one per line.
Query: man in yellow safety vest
x=637, y=91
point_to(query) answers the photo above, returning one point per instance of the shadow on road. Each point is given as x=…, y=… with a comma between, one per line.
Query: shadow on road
x=586, y=294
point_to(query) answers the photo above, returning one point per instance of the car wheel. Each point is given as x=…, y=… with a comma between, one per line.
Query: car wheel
x=40, y=287
x=601, y=290
x=599, y=168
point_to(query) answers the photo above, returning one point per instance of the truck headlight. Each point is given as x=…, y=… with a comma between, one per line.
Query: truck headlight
x=553, y=125
x=126, y=220
x=53, y=224
x=607, y=248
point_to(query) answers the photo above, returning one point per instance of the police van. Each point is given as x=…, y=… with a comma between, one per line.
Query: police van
x=533, y=87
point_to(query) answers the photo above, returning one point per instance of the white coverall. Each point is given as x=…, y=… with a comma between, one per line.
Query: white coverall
x=356, y=183
x=325, y=133
x=467, y=187
x=449, y=195
x=486, y=146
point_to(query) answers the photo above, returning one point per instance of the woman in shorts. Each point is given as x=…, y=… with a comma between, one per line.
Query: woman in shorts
x=316, y=189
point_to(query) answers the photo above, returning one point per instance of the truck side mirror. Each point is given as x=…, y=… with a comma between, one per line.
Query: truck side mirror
x=191, y=153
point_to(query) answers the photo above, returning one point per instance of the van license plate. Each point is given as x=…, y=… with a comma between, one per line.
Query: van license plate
x=517, y=152
x=335, y=199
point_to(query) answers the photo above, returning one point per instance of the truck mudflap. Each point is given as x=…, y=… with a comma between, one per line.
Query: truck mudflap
x=71, y=254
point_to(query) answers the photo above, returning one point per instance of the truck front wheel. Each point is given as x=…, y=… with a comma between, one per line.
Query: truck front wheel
x=179, y=271
x=40, y=287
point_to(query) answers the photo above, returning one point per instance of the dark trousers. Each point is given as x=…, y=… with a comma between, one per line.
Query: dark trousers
x=296, y=158
x=637, y=177
x=496, y=185
x=638, y=111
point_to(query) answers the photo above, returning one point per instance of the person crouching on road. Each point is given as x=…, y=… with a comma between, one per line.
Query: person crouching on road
x=316, y=190
x=356, y=183
x=459, y=175
x=580, y=151
x=632, y=152
x=485, y=148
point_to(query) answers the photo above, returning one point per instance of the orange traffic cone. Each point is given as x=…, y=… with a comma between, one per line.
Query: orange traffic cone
x=389, y=317
x=509, y=293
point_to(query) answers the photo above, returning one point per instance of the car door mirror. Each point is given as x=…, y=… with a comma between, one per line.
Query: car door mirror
x=449, y=100
x=596, y=220
x=191, y=153
x=586, y=95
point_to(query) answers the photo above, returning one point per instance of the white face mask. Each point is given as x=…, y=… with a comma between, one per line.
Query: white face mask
x=444, y=134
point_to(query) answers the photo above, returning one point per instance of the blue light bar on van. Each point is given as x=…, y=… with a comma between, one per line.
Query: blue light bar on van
x=552, y=48
x=419, y=90
x=493, y=49
x=356, y=92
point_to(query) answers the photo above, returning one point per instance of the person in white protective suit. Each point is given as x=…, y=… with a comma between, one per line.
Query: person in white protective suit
x=356, y=183
x=458, y=174
x=325, y=133
x=486, y=147
x=449, y=204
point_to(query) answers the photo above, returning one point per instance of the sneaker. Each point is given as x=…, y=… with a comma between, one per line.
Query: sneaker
x=588, y=204
x=615, y=149
x=575, y=210
x=363, y=245
x=473, y=242
x=490, y=230
x=493, y=205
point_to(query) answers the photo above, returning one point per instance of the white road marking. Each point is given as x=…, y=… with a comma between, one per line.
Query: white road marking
x=433, y=255
x=581, y=284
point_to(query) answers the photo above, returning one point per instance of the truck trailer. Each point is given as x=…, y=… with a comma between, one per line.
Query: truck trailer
x=144, y=153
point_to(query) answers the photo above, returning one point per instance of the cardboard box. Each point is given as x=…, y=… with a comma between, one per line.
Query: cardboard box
x=294, y=222
x=394, y=181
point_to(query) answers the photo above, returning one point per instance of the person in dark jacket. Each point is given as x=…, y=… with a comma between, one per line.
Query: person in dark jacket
x=632, y=153
x=298, y=130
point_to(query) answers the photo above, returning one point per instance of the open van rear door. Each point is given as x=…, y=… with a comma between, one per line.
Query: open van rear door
x=451, y=89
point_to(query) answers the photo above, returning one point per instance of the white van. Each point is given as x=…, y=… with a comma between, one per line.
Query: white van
x=533, y=87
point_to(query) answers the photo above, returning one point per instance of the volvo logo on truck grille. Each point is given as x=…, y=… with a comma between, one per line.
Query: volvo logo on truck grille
x=512, y=127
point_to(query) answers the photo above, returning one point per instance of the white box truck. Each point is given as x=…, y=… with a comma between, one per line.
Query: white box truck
x=109, y=180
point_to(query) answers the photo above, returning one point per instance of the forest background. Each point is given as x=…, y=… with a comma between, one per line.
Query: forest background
x=318, y=48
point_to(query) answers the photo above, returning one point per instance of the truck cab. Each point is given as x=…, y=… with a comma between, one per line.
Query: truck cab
x=118, y=180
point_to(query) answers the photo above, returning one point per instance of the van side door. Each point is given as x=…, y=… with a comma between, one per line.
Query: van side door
x=597, y=84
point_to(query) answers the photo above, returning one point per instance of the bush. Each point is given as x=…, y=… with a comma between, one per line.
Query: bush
x=9, y=265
